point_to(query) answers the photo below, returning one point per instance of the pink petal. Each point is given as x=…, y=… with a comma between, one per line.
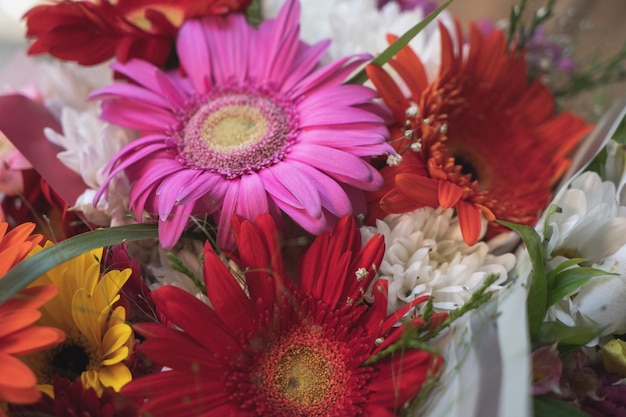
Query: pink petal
x=130, y=92
x=338, y=96
x=338, y=164
x=171, y=229
x=202, y=186
x=169, y=187
x=193, y=51
x=287, y=184
x=332, y=195
x=143, y=72
x=171, y=91
x=332, y=74
x=337, y=116
x=138, y=116
x=252, y=197
x=305, y=61
x=225, y=237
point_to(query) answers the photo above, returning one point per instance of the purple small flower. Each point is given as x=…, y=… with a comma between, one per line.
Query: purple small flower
x=547, y=370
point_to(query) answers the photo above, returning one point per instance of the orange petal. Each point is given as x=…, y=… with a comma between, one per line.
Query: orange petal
x=388, y=90
x=31, y=339
x=13, y=321
x=421, y=190
x=14, y=373
x=32, y=297
x=449, y=194
x=394, y=202
x=470, y=222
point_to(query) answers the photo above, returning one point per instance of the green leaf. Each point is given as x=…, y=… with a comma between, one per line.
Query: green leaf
x=538, y=291
x=254, y=14
x=562, y=267
x=547, y=229
x=547, y=406
x=598, y=163
x=30, y=269
x=569, y=280
x=620, y=133
x=552, y=332
x=361, y=76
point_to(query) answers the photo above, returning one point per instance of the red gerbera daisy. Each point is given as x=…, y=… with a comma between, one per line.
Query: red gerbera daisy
x=71, y=399
x=277, y=349
x=125, y=29
x=479, y=138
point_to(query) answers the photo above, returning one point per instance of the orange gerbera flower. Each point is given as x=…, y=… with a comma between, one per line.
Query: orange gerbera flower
x=15, y=245
x=17, y=336
x=479, y=138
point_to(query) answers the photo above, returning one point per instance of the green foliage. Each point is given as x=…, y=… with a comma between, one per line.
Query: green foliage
x=537, y=302
x=568, y=281
x=552, y=332
x=254, y=14
x=177, y=265
x=605, y=72
x=547, y=406
x=30, y=269
x=361, y=76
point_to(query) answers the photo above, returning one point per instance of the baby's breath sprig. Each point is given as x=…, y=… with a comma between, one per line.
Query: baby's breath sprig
x=417, y=338
x=608, y=71
x=519, y=33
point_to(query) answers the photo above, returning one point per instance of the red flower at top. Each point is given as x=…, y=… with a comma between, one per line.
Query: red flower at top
x=269, y=347
x=91, y=32
x=479, y=137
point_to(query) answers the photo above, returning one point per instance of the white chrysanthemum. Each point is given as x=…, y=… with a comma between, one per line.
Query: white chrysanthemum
x=65, y=84
x=592, y=225
x=426, y=255
x=356, y=26
x=89, y=144
x=188, y=252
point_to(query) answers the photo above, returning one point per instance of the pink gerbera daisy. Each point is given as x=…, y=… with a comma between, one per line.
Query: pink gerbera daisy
x=253, y=127
x=278, y=349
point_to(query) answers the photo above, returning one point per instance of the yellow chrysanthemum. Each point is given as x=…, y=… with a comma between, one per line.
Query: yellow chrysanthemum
x=98, y=338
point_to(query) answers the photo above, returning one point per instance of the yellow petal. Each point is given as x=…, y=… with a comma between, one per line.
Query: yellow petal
x=115, y=376
x=86, y=317
x=91, y=379
x=614, y=357
x=109, y=286
x=115, y=337
x=116, y=357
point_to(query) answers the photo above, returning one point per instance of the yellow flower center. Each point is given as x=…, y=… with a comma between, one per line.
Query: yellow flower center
x=233, y=127
x=303, y=376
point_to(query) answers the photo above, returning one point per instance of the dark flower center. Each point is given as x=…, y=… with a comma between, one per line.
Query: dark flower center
x=69, y=361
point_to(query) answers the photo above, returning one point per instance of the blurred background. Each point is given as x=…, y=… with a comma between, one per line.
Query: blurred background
x=594, y=30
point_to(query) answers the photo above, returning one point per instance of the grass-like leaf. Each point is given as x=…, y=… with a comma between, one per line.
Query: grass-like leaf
x=538, y=291
x=568, y=281
x=391, y=51
x=30, y=269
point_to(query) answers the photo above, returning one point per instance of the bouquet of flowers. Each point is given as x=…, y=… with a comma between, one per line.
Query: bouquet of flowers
x=307, y=208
